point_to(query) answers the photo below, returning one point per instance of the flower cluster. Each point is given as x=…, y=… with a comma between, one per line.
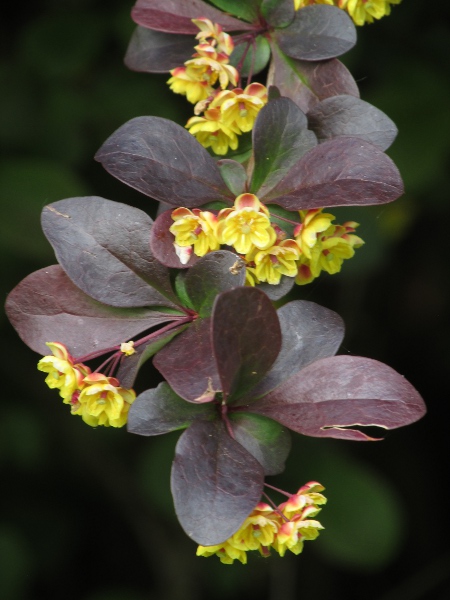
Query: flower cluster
x=98, y=399
x=281, y=528
x=226, y=112
x=361, y=11
x=318, y=245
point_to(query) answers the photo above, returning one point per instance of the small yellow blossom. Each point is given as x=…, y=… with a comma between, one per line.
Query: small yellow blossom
x=213, y=34
x=365, y=11
x=295, y=532
x=225, y=551
x=216, y=64
x=241, y=107
x=246, y=226
x=302, y=3
x=194, y=228
x=210, y=131
x=103, y=402
x=127, y=348
x=194, y=81
x=63, y=374
x=307, y=495
x=273, y=262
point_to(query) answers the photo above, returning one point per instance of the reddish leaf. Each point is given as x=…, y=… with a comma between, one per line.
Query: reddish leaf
x=307, y=83
x=157, y=52
x=280, y=139
x=160, y=410
x=336, y=393
x=276, y=292
x=309, y=332
x=188, y=365
x=215, y=483
x=47, y=307
x=246, y=338
x=214, y=273
x=163, y=160
x=161, y=243
x=175, y=16
x=343, y=171
x=317, y=33
x=347, y=115
x=104, y=247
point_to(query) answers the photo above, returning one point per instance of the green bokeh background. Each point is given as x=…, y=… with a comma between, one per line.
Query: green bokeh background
x=87, y=514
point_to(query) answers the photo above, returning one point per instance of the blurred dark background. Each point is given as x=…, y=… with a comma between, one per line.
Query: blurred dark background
x=86, y=514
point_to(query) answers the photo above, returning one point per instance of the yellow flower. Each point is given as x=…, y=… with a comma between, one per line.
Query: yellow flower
x=365, y=11
x=245, y=226
x=241, y=107
x=194, y=81
x=127, y=348
x=195, y=228
x=103, y=402
x=301, y=3
x=307, y=495
x=324, y=246
x=259, y=529
x=293, y=533
x=216, y=64
x=62, y=373
x=226, y=552
x=211, y=132
x=273, y=262
x=213, y=34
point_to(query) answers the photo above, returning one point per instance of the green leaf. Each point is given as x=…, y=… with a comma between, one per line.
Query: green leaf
x=278, y=13
x=234, y=175
x=256, y=58
x=265, y=439
x=247, y=10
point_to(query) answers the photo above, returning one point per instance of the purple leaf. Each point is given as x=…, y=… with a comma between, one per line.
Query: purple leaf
x=164, y=161
x=265, y=439
x=104, y=247
x=160, y=410
x=307, y=83
x=152, y=51
x=333, y=394
x=309, y=332
x=340, y=172
x=278, y=13
x=347, y=115
x=188, y=365
x=175, y=16
x=47, y=307
x=215, y=483
x=214, y=273
x=317, y=33
x=280, y=139
x=162, y=243
x=246, y=338
x=275, y=292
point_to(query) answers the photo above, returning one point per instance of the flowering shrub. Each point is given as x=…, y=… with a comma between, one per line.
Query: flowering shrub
x=245, y=189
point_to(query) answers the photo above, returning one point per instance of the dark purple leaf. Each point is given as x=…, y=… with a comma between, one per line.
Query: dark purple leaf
x=175, y=16
x=158, y=52
x=47, y=307
x=160, y=410
x=333, y=394
x=104, y=247
x=246, y=338
x=129, y=365
x=265, y=439
x=234, y=175
x=275, y=292
x=164, y=161
x=347, y=115
x=188, y=365
x=280, y=138
x=214, y=273
x=215, y=483
x=162, y=243
x=317, y=33
x=340, y=172
x=278, y=13
x=309, y=332
x=307, y=83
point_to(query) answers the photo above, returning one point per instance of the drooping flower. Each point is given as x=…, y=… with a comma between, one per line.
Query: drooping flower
x=216, y=64
x=103, y=402
x=194, y=228
x=194, y=81
x=241, y=107
x=273, y=262
x=246, y=226
x=211, y=132
x=365, y=11
x=213, y=34
x=63, y=374
x=302, y=3
x=292, y=534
